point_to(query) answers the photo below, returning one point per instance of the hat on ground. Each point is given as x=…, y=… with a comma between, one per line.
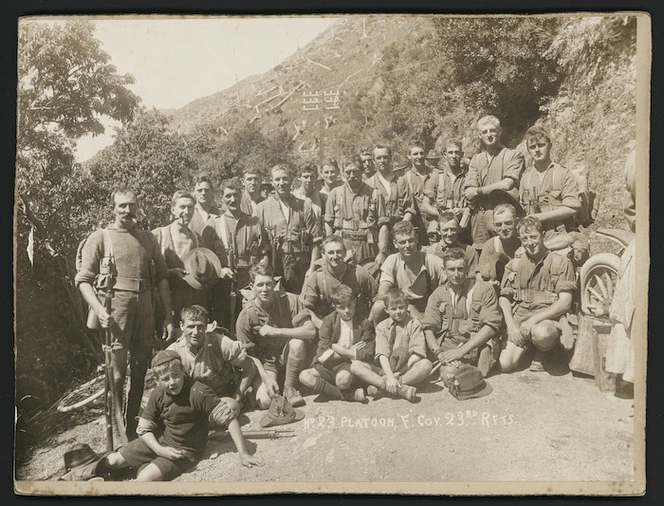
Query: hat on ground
x=78, y=455
x=280, y=412
x=164, y=356
x=466, y=382
x=203, y=267
x=433, y=154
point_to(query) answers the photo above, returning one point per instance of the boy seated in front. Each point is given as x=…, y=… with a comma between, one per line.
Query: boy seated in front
x=344, y=336
x=400, y=351
x=173, y=428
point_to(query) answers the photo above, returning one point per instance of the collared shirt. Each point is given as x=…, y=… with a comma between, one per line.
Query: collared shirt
x=398, y=199
x=525, y=274
x=211, y=364
x=295, y=222
x=172, y=256
x=317, y=200
x=473, y=307
x=417, y=286
x=365, y=208
x=484, y=170
x=244, y=235
x=317, y=289
x=247, y=204
x=201, y=218
x=417, y=182
x=447, y=190
x=408, y=334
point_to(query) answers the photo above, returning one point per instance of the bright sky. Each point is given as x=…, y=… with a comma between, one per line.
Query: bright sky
x=177, y=60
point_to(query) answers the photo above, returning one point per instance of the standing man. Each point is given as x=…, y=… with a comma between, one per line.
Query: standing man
x=462, y=319
x=495, y=168
x=205, y=210
x=549, y=192
x=251, y=195
x=133, y=259
x=292, y=229
x=417, y=177
x=307, y=190
x=175, y=241
x=535, y=295
x=367, y=163
x=329, y=172
x=238, y=239
x=356, y=212
x=396, y=194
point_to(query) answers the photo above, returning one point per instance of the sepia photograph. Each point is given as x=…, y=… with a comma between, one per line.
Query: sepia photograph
x=359, y=253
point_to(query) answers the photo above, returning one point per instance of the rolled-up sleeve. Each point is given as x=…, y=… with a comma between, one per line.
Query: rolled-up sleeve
x=570, y=191
x=91, y=254
x=506, y=286
x=388, y=268
x=489, y=311
x=432, y=319
x=472, y=180
x=230, y=350
x=567, y=280
x=416, y=341
x=514, y=166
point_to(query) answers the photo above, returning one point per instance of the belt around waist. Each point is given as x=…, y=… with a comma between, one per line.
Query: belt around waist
x=136, y=285
x=354, y=234
x=536, y=296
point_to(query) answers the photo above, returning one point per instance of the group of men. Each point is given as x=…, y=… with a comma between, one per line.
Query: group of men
x=480, y=254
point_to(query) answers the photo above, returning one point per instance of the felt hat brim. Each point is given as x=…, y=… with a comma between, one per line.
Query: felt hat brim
x=211, y=257
x=268, y=421
x=486, y=390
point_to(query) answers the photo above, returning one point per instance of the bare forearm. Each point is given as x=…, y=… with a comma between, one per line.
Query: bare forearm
x=90, y=297
x=385, y=365
x=480, y=339
x=504, y=184
x=383, y=239
x=429, y=209
x=151, y=441
x=558, y=214
x=341, y=351
x=236, y=435
x=506, y=308
x=431, y=340
x=305, y=332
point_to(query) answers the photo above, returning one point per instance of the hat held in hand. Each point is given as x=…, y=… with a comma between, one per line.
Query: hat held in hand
x=280, y=412
x=466, y=382
x=203, y=268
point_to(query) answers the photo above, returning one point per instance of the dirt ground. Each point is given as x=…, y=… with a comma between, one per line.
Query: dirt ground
x=533, y=426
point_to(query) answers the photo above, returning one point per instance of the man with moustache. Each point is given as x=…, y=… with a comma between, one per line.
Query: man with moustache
x=176, y=240
x=205, y=210
x=292, y=228
x=132, y=257
x=356, y=212
x=238, y=239
x=251, y=195
x=395, y=192
x=495, y=168
x=418, y=176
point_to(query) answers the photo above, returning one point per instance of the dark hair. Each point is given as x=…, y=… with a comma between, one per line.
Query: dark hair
x=530, y=222
x=536, y=133
x=332, y=238
x=229, y=184
x=403, y=227
x=202, y=178
x=307, y=167
x=394, y=295
x=452, y=254
x=194, y=313
x=342, y=294
x=352, y=160
x=260, y=270
x=160, y=369
x=382, y=146
x=415, y=143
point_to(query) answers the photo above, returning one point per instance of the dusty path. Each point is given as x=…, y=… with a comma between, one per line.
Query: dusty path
x=534, y=426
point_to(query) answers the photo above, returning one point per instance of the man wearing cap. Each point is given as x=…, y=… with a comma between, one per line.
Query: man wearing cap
x=205, y=209
x=251, y=194
x=275, y=328
x=417, y=177
x=211, y=358
x=239, y=241
x=396, y=193
x=495, y=168
x=550, y=192
x=446, y=192
x=462, y=318
x=175, y=241
x=332, y=271
x=292, y=229
x=132, y=259
x=356, y=212
x=535, y=295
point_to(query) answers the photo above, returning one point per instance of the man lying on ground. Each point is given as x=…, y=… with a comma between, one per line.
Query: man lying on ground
x=173, y=428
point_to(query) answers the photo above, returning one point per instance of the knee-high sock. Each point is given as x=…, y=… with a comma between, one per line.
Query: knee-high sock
x=323, y=387
x=293, y=368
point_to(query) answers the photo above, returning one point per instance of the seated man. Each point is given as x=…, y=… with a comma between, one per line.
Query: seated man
x=210, y=358
x=536, y=293
x=414, y=272
x=462, y=319
x=344, y=336
x=400, y=350
x=500, y=249
x=550, y=192
x=449, y=232
x=332, y=271
x=173, y=428
x=277, y=330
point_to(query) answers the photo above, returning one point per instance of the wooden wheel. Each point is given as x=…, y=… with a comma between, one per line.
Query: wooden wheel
x=598, y=281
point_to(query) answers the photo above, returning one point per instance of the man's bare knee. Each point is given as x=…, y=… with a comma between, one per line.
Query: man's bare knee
x=544, y=335
x=343, y=380
x=308, y=378
x=296, y=348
